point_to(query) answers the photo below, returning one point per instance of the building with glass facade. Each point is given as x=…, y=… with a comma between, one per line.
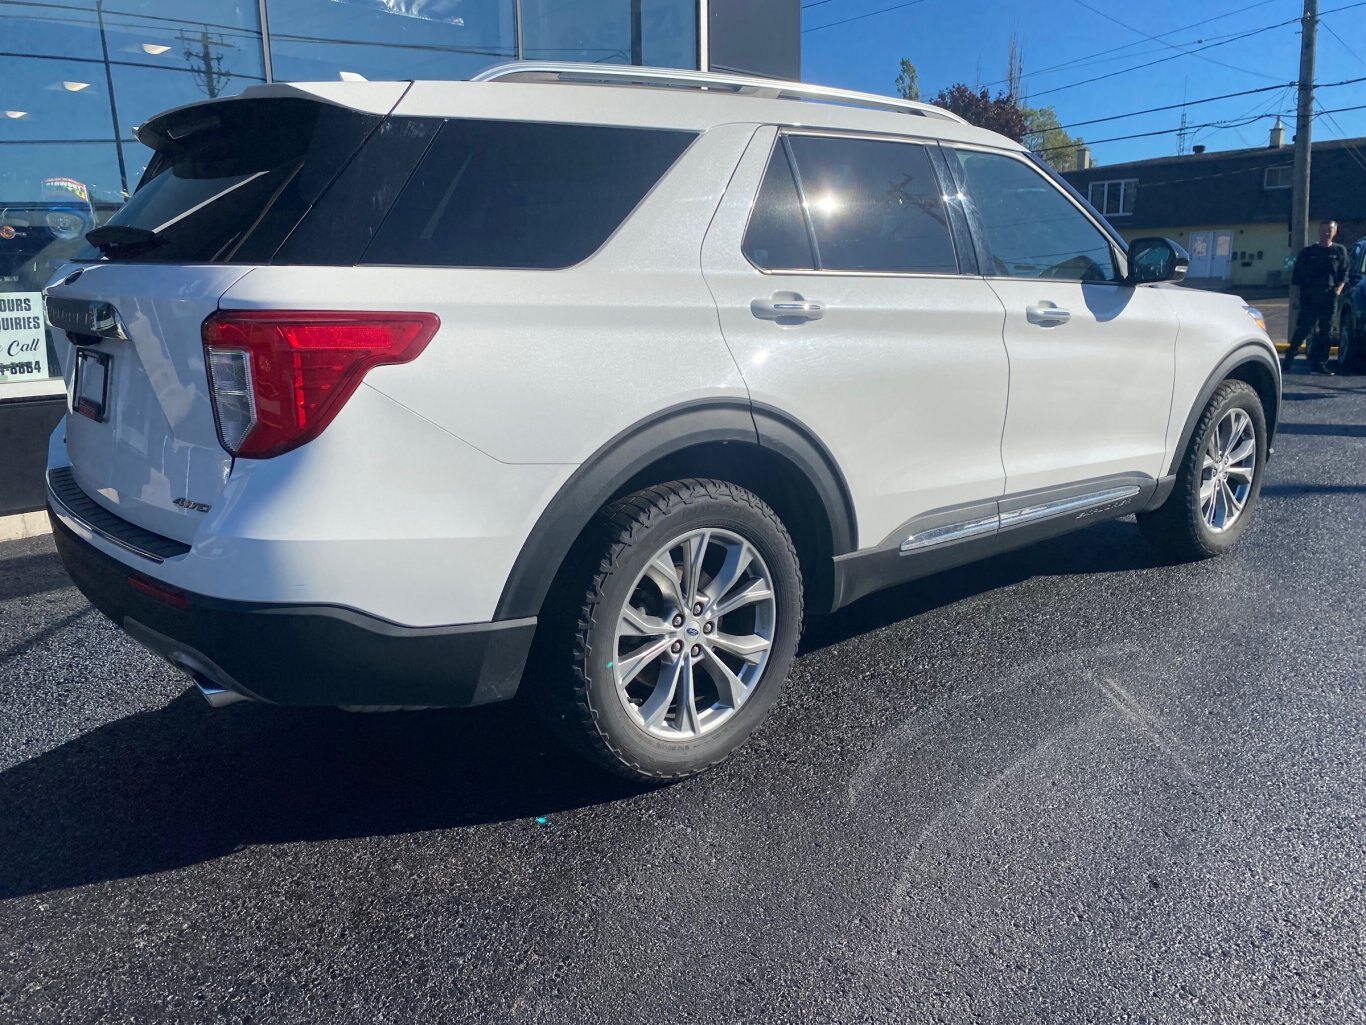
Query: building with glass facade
x=78, y=76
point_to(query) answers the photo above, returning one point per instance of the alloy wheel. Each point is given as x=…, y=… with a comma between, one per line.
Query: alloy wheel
x=695, y=634
x=1227, y=472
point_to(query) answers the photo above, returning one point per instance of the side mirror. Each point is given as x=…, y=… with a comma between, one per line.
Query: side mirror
x=1156, y=259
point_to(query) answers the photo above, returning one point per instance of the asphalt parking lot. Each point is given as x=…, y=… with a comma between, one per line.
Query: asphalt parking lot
x=1071, y=784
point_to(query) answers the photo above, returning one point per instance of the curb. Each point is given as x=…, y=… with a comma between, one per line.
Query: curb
x=22, y=525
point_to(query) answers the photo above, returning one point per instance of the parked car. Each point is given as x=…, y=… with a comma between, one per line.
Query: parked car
x=593, y=382
x=1352, y=313
x=35, y=235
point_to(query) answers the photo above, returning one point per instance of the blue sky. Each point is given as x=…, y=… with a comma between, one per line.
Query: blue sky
x=967, y=40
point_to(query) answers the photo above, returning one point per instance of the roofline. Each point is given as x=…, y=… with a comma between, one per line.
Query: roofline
x=1226, y=154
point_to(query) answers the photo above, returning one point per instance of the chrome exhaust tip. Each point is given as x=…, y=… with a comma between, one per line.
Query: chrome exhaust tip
x=216, y=696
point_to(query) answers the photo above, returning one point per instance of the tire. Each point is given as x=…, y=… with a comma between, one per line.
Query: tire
x=1188, y=526
x=623, y=707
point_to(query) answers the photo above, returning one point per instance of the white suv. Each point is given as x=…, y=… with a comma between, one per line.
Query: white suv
x=382, y=393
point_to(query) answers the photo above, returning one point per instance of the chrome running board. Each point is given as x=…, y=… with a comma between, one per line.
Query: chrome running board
x=950, y=532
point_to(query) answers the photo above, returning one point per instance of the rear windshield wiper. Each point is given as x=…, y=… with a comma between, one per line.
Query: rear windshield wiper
x=109, y=238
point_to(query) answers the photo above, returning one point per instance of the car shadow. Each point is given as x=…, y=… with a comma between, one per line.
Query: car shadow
x=1290, y=490
x=184, y=784
x=1324, y=430
x=1113, y=547
x=28, y=575
x=1299, y=396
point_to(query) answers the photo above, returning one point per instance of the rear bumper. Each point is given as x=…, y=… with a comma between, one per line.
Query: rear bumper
x=303, y=654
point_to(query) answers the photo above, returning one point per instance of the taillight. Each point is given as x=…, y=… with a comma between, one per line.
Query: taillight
x=277, y=378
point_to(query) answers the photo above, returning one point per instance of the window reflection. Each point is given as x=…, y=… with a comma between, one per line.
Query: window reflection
x=661, y=33
x=315, y=40
x=80, y=75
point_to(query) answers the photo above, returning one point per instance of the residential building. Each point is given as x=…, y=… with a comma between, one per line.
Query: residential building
x=1231, y=209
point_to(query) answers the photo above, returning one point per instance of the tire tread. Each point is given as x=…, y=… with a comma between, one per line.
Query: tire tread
x=571, y=711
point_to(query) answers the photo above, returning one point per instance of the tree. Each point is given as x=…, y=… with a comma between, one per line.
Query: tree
x=978, y=107
x=1046, y=137
x=908, y=81
x=1007, y=112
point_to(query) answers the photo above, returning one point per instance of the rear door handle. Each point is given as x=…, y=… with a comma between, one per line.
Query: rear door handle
x=1047, y=314
x=787, y=306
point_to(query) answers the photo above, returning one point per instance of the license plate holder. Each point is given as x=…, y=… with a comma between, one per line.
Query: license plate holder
x=90, y=389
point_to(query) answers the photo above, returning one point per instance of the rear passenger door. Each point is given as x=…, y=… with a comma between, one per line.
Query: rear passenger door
x=1092, y=360
x=841, y=294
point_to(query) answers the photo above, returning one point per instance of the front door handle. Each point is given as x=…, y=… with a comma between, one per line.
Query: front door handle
x=787, y=307
x=1046, y=314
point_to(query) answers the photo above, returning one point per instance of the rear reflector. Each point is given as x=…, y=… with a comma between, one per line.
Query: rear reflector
x=278, y=378
x=171, y=596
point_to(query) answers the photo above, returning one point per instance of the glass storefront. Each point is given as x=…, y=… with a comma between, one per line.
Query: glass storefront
x=80, y=75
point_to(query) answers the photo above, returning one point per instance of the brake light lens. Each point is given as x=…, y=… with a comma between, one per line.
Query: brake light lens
x=278, y=378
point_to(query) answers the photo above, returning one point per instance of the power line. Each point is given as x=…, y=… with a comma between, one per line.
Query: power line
x=1173, y=46
x=1266, y=109
x=1208, y=99
x=1177, y=106
x=1164, y=60
x=1129, y=46
x=1352, y=151
x=860, y=17
x=1210, y=46
x=1233, y=123
x=1230, y=123
x=1343, y=42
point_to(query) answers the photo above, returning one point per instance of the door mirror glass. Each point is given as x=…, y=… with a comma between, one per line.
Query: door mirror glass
x=1156, y=259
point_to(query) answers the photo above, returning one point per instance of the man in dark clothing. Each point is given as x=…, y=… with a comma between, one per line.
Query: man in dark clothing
x=1321, y=273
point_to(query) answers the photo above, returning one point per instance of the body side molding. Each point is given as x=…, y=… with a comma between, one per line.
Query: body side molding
x=1020, y=520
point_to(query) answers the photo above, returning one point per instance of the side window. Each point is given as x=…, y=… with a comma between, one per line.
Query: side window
x=1031, y=228
x=874, y=206
x=776, y=238
x=521, y=194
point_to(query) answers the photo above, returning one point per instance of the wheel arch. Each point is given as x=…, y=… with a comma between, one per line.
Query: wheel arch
x=758, y=448
x=1253, y=363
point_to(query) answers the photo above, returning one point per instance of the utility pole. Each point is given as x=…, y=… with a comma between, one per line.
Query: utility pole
x=206, y=65
x=1299, y=213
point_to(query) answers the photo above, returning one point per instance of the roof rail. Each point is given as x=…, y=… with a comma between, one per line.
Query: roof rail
x=769, y=88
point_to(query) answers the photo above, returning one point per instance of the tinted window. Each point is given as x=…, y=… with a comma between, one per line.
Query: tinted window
x=337, y=229
x=874, y=206
x=1032, y=229
x=777, y=236
x=230, y=180
x=519, y=194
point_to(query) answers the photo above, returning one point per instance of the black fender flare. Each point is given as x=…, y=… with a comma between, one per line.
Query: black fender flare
x=1248, y=352
x=625, y=456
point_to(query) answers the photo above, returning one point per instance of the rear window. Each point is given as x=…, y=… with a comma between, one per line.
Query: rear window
x=521, y=194
x=230, y=180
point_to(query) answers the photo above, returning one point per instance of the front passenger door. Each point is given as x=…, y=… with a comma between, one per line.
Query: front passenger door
x=1092, y=360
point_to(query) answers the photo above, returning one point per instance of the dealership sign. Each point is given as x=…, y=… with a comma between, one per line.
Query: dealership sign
x=23, y=337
